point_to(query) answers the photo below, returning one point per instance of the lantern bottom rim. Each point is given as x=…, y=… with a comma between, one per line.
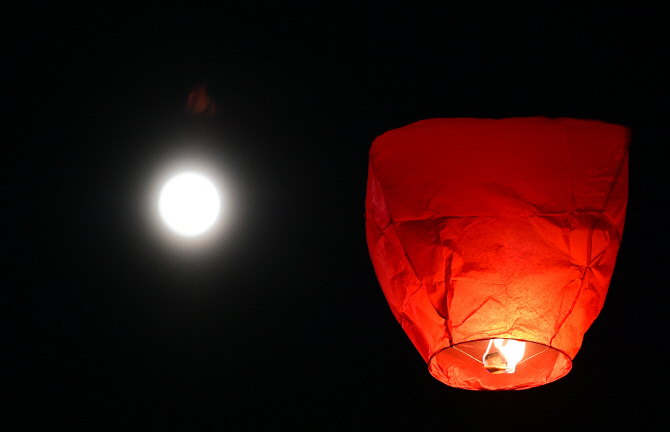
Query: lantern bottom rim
x=462, y=365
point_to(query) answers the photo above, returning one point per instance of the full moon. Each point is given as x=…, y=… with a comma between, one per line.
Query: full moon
x=189, y=204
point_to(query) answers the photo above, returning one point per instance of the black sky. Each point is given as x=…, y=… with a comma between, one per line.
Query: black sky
x=281, y=321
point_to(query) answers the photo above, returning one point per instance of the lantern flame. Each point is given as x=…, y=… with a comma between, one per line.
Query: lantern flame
x=509, y=353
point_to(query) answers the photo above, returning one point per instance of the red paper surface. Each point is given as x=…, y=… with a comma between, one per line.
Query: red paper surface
x=509, y=228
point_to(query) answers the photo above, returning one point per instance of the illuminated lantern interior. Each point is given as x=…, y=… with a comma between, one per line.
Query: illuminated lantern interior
x=494, y=241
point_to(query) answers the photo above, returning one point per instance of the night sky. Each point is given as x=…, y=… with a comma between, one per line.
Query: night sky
x=279, y=321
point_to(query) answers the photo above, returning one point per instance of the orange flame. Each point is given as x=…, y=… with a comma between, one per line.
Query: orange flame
x=199, y=102
x=509, y=353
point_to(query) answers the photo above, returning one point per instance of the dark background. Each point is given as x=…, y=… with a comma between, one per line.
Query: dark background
x=280, y=321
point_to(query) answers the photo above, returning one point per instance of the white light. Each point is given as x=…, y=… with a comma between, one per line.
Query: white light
x=189, y=204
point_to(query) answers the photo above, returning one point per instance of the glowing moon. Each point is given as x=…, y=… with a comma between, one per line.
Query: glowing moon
x=189, y=204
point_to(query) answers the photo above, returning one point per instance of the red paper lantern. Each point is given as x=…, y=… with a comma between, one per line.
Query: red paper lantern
x=494, y=241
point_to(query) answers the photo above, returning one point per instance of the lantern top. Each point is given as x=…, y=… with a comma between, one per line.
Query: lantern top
x=484, y=167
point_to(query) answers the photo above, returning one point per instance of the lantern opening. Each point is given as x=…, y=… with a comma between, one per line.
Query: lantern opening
x=499, y=364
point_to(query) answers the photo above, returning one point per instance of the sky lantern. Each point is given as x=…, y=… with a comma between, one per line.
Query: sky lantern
x=494, y=241
x=199, y=102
